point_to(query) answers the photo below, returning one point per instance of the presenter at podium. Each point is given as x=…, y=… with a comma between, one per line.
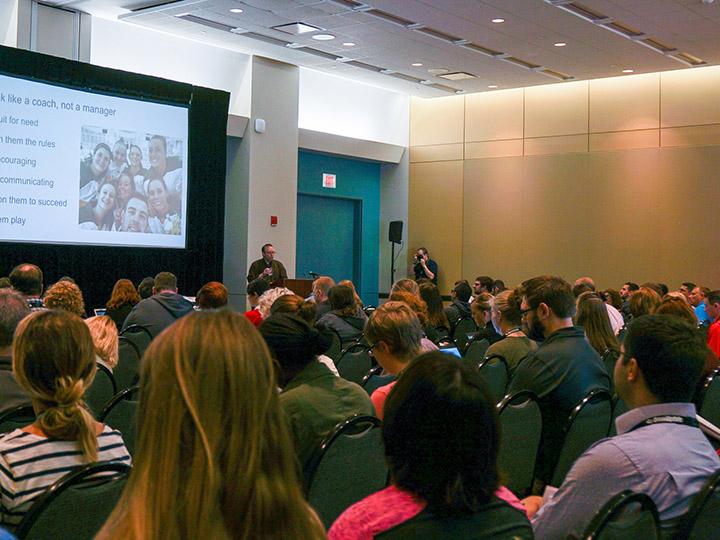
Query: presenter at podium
x=267, y=268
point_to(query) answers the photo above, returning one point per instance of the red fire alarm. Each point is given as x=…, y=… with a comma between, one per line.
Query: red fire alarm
x=273, y=221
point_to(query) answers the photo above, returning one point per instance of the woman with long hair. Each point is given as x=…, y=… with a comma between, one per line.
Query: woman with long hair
x=99, y=215
x=436, y=314
x=93, y=171
x=644, y=302
x=54, y=362
x=344, y=318
x=123, y=298
x=441, y=441
x=105, y=337
x=592, y=315
x=419, y=306
x=164, y=217
x=214, y=457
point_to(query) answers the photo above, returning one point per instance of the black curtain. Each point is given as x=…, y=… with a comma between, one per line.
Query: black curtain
x=95, y=268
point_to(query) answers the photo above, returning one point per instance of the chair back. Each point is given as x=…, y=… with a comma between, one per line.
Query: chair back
x=127, y=370
x=494, y=370
x=464, y=329
x=374, y=379
x=121, y=414
x=77, y=505
x=475, y=352
x=520, y=422
x=348, y=466
x=139, y=335
x=710, y=398
x=101, y=390
x=702, y=520
x=627, y=516
x=16, y=418
x=588, y=422
x=354, y=363
x=335, y=349
x=443, y=334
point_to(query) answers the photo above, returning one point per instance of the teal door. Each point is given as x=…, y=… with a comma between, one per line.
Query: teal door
x=328, y=237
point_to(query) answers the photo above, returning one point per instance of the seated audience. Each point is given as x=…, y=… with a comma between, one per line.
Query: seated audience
x=481, y=310
x=267, y=299
x=395, y=335
x=659, y=449
x=712, y=308
x=459, y=308
x=162, y=309
x=644, y=301
x=514, y=346
x=214, y=457
x=686, y=288
x=436, y=315
x=54, y=362
x=212, y=295
x=5, y=283
x=408, y=285
x=255, y=289
x=420, y=308
x=122, y=300
x=66, y=296
x=617, y=321
x=358, y=300
x=13, y=309
x=696, y=299
x=145, y=288
x=563, y=370
x=612, y=297
x=320, y=290
x=483, y=284
x=592, y=315
x=314, y=399
x=27, y=279
x=441, y=445
x=344, y=317
x=654, y=286
x=498, y=287
x=626, y=292
x=105, y=338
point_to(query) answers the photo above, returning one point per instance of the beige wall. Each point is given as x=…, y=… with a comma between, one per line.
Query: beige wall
x=616, y=178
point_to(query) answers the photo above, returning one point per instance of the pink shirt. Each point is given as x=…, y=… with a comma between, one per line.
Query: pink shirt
x=386, y=509
x=378, y=398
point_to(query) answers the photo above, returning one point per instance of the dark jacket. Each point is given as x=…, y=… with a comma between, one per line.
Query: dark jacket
x=158, y=312
x=563, y=370
x=11, y=394
x=456, y=311
x=119, y=314
x=348, y=328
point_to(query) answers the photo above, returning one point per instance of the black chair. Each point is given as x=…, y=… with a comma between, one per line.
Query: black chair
x=77, y=505
x=139, y=335
x=374, y=379
x=121, y=414
x=335, y=349
x=16, y=418
x=127, y=371
x=520, y=422
x=463, y=332
x=494, y=371
x=348, y=466
x=609, y=358
x=101, y=390
x=589, y=422
x=354, y=363
x=475, y=352
x=709, y=406
x=702, y=520
x=627, y=516
x=443, y=334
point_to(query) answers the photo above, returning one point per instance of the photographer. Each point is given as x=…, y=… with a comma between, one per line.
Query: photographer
x=424, y=267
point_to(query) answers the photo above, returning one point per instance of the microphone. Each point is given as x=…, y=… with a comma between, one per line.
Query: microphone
x=313, y=275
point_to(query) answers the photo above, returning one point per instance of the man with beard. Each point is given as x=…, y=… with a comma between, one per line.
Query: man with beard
x=135, y=217
x=565, y=367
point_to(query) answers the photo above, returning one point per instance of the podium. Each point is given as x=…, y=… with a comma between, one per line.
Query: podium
x=301, y=287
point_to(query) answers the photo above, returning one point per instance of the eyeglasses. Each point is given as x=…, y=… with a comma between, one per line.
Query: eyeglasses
x=524, y=312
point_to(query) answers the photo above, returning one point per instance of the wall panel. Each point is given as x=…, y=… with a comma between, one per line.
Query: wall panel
x=492, y=116
x=436, y=121
x=690, y=97
x=556, y=109
x=624, y=140
x=624, y=103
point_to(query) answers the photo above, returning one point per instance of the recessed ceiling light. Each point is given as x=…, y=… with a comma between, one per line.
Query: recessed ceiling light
x=296, y=28
x=628, y=71
x=498, y=20
x=323, y=37
x=348, y=44
x=457, y=76
x=560, y=44
x=236, y=10
x=491, y=86
x=416, y=64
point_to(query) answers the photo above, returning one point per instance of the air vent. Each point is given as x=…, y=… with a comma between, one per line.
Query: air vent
x=657, y=45
x=363, y=65
x=389, y=17
x=206, y=22
x=437, y=34
x=521, y=63
x=556, y=74
x=457, y=76
x=444, y=88
x=689, y=59
x=407, y=78
x=351, y=4
x=154, y=5
x=624, y=31
x=266, y=39
x=321, y=54
x=581, y=11
x=482, y=50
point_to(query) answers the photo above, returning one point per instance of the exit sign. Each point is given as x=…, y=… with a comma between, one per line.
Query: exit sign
x=329, y=181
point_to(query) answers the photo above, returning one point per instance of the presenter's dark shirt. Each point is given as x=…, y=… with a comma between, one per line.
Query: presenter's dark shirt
x=420, y=273
x=257, y=267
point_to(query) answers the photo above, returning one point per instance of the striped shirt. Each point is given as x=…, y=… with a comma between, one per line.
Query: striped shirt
x=30, y=464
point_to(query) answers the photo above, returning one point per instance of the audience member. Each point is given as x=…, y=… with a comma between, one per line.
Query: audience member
x=162, y=309
x=344, y=317
x=626, y=291
x=436, y=315
x=441, y=444
x=483, y=284
x=358, y=300
x=408, y=285
x=563, y=370
x=212, y=295
x=498, y=287
x=27, y=279
x=214, y=457
x=657, y=287
x=514, y=346
x=145, y=288
x=66, y=296
x=105, y=338
x=13, y=309
x=424, y=267
x=686, y=288
x=267, y=267
x=664, y=289
x=320, y=289
x=481, y=310
x=678, y=307
x=395, y=335
x=459, y=308
x=123, y=298
x=5, y=283
x=659, y=449
x=617, y=321
x=712, y=308
x=592, y=316
x=612, y=297
x=418, y=305
x=268, y=298
x=696, y=299
x=54, y=362
x=644, y=301
x=314, y=399
x=255, y=289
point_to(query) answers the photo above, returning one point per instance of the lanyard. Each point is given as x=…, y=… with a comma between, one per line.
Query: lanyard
x=666, y=419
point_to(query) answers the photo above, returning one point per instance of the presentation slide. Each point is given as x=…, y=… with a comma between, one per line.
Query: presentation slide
x=84, y=168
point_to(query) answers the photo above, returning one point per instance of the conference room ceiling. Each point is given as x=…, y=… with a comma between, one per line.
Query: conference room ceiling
x=602, y=37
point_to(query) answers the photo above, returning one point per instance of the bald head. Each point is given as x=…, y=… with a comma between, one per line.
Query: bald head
x=27, y=279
